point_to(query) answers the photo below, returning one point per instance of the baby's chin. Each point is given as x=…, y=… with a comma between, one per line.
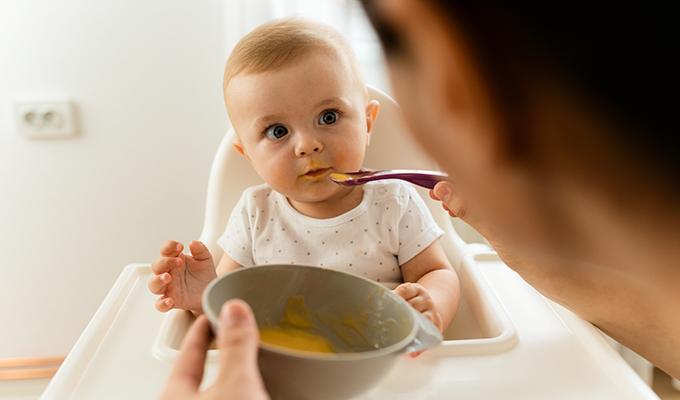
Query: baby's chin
x=319, y=193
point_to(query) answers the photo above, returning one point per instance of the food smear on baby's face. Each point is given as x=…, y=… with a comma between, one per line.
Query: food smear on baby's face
x=295, y=331
x=316, y=171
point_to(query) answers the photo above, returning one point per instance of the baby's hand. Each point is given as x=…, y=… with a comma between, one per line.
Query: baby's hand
x=419, y=298
x=181, y=278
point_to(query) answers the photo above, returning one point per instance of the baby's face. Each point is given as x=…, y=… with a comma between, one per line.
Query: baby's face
x=298, y=124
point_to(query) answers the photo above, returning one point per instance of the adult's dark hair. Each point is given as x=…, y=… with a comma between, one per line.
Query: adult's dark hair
x=620, y=57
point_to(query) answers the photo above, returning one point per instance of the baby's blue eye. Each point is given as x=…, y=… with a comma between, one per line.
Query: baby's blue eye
x=328, y=117
x=276, y=132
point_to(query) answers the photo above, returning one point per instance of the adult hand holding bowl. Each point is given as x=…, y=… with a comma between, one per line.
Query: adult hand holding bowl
x=366, y=326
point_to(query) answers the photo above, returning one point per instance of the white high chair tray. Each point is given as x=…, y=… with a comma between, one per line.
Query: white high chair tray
x=545, y=352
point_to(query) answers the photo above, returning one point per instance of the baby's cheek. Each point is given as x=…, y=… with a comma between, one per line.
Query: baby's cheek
x=349, y=158
x=276, y=173
x=282, y=174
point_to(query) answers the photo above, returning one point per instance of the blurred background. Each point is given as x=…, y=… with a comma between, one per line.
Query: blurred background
x=110, y=114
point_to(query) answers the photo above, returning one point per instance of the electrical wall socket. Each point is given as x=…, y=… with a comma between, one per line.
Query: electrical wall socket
x=45, y=119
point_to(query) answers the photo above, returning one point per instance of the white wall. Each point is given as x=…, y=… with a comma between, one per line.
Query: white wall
x=146, y=79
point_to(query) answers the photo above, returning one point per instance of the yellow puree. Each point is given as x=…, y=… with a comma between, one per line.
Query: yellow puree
x=294, y=338
x=294, y=330
x=339, y=176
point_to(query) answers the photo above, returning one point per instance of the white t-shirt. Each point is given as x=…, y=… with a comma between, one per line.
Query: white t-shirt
x=390, y=226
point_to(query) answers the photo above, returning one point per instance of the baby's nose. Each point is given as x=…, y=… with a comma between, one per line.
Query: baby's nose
x=314, y=150
x=307, y=145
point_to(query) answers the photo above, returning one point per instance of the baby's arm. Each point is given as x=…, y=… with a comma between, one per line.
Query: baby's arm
x=431, y=285
x=227, y=264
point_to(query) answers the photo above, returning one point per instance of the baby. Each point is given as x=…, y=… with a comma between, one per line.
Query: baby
x=300, y=111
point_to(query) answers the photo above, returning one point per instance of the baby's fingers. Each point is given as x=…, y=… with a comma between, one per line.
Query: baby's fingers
x=166, y=264
x=164, y=304
x=422, y=303
x=199, y=251
x=171, y=248
x=435, y=317
x=416, y=353
x=158, y=283
x=408, y=290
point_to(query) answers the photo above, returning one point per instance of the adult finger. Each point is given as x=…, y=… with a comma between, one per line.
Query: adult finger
x=237, y=340
x=187, y=372
x=454, y=204
x=442, y=191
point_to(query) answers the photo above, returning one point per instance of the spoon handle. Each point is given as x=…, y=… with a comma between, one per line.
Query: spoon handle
x=426, y=179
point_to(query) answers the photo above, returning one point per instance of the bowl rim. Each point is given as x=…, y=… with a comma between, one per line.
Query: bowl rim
x=393, y=348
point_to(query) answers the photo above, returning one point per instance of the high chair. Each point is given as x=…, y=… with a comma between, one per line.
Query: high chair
x=506, y=341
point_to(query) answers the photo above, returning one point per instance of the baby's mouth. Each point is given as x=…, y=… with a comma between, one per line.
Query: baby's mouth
x=317, y=172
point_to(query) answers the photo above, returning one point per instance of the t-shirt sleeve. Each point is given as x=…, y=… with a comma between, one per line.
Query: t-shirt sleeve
x=236, y=240
x=417, y=228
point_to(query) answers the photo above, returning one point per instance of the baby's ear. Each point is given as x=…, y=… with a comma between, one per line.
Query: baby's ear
x=238, y=147
x=372, y=109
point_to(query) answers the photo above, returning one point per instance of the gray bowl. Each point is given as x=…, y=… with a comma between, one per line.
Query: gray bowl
x=383, y=326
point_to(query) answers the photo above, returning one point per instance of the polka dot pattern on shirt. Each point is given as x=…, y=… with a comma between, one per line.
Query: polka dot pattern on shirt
x=369, y=244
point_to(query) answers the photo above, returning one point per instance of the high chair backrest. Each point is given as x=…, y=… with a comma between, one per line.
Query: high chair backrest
x=390, y=148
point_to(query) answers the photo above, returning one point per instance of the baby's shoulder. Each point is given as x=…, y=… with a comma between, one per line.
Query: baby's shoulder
x=391, y=191
x=257, y=197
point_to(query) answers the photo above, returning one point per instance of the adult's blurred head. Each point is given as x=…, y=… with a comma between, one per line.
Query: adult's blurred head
x=555, y=121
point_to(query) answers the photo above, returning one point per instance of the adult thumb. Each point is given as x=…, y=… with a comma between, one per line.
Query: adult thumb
x=443, y=191
x=238, y=340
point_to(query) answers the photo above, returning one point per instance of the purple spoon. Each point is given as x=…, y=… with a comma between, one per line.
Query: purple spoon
x=426, y=179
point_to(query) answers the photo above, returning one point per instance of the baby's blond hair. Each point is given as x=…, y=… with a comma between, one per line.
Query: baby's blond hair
x=278, y=43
